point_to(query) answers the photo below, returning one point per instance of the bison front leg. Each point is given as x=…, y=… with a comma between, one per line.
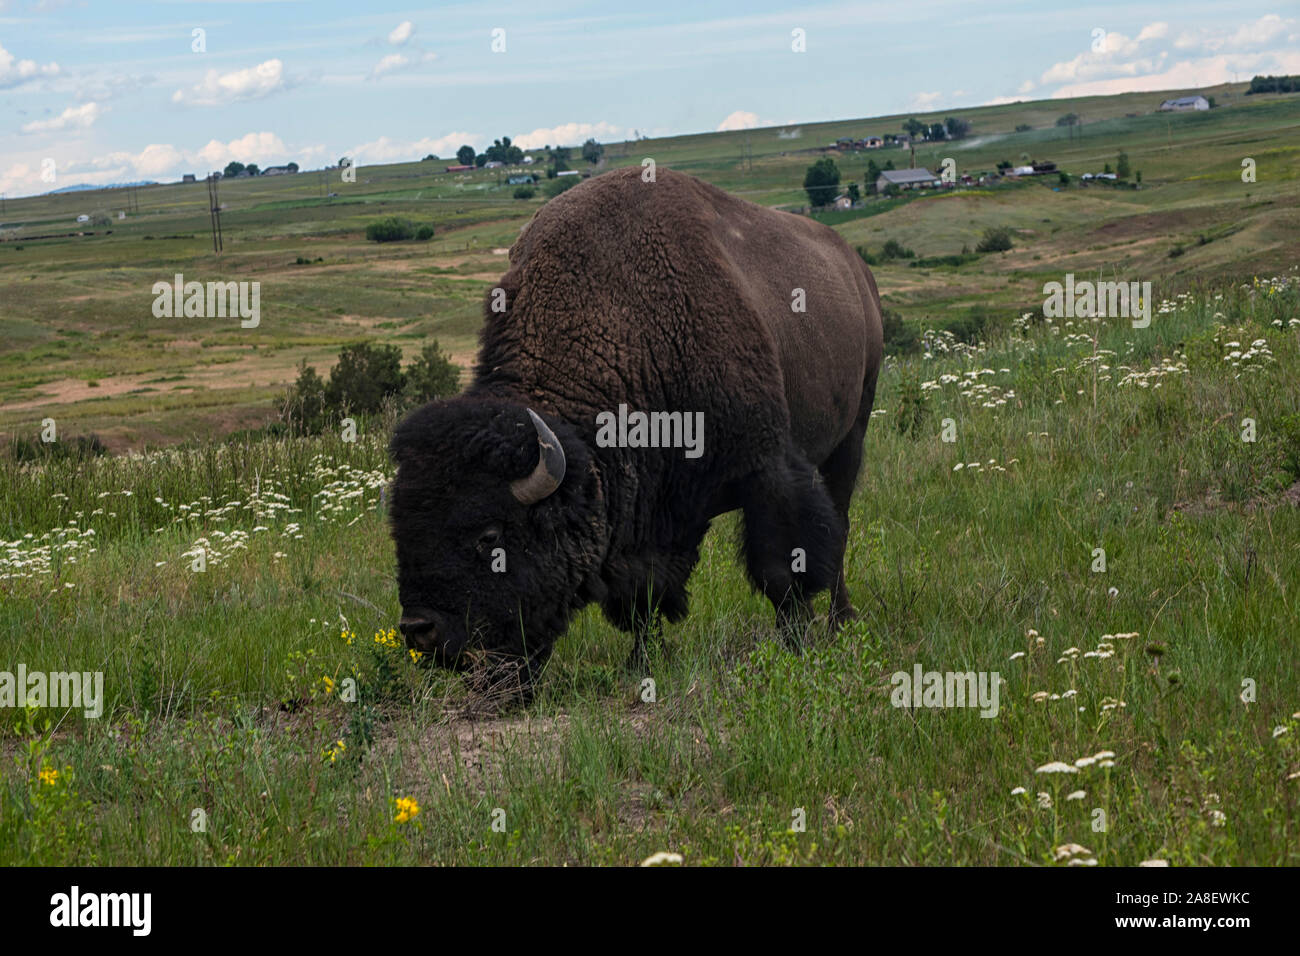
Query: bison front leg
x=793, y=540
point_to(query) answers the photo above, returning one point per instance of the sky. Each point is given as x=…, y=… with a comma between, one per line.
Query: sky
x=105, y=91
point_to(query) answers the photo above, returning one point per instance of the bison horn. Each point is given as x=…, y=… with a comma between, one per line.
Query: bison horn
x=548, y=474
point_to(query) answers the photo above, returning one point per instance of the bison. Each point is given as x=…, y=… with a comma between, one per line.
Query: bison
x=537, y=491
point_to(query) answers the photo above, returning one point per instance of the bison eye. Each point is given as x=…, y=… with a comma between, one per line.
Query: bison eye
x=489, y=537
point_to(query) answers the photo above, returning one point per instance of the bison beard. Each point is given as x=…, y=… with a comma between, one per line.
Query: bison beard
x=509, y=517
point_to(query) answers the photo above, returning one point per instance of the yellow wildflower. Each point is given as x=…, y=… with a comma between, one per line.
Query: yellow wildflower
x=407, y=809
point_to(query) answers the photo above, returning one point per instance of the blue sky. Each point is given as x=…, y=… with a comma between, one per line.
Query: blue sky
x=114, y=91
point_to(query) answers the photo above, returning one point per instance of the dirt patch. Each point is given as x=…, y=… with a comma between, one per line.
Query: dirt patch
x=1211, y=502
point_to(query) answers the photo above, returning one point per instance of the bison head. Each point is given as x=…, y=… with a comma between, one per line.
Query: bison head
x=495, y=515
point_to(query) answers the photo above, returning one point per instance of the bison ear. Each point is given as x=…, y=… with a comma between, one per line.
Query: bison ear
x=548, y=474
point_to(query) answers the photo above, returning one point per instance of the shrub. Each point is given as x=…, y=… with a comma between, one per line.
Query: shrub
x=560, y=184
x=365, y=375
x=995, y=239
x=527, y=192
x=303, y=406
x=900, y=338
x=392, y=229
x=425, y=233
x=432, y=375
x=896, y=250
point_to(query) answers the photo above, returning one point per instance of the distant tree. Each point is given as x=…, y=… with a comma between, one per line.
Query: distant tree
x=1122, y=168
x=873, y=173
x=854, y=192
x=1023, y=127
x=821, y=181
x=503, y=151
x=914, y=127
x=480, y=160
x=556, y=186
x=1069, y=119
x=591, y=151
x=465, y=156
x=889, y=164
x=429, y=157
x=1211, y=101
x=1107, y=169
x=392, y=229
x=252, y=169
x=424, y=233
x=957, y=128
x=1138, y=175
x=936, y=132
x=292, y=167
x=1063, y=178
x=364, y=376
x=432, y=375
x=303, y=406
x=232, y=169
x=1003, y=164
x=995, y=239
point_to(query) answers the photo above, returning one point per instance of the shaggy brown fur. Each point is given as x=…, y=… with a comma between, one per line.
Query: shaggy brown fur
x=665, y=296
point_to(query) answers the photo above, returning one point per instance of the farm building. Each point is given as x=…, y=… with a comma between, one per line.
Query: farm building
x=1185, y=103
x=906, y=179
x=279, y=170
x=521, y=180
x=842, y=202
x=188, y=178
x=874, y=142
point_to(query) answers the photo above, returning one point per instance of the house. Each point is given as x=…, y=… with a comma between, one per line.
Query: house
x=188, y=178
x=842, y=202
x=527, y=160
x=1185, y=103
x=873, y=142
x=460, y=169
x=494, y=164
x=522, y=180
x=906, y=179
x=568, y=172
x=83, y=218
x=279, y=170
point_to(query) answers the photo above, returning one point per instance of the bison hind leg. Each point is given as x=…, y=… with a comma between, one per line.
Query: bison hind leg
x=793, y=538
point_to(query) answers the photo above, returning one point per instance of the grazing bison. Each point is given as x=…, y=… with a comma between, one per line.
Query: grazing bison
x=634, y=314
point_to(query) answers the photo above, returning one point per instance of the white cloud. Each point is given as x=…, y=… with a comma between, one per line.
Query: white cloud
x=740, y=119
x=398, y=62
x=401, y=33
x=74, y=117
x=392, y=150
x=218, y=89
x=1188, y=74
x=263, y=148
x=571, y=134
x=1140, y=64
x=1026, y=86
x=925, y=101
x=14, y=71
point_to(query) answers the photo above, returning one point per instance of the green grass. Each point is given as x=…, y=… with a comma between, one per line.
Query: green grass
x=216, y=698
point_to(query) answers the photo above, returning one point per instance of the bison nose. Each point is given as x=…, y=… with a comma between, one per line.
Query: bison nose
x=417, y=628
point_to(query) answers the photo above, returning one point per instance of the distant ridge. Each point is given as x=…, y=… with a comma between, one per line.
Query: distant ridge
x=82, y=187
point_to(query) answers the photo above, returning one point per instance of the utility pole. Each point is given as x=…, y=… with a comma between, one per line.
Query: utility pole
x=214, y=214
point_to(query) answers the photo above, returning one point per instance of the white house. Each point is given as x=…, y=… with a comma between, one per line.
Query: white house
x=1185, y=103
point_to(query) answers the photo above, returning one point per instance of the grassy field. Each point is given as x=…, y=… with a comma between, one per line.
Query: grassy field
x=1165, y=682
x=81, y=345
